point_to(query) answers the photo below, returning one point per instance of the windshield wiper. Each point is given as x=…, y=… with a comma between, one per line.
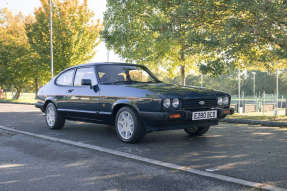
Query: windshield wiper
x=127, y=82
x=118, y=82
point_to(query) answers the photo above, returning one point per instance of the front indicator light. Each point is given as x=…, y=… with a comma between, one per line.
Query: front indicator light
x=226, y=112
x=174, y=116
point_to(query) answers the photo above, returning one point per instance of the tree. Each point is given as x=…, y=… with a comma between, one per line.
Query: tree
x=75, y=35
x=253, y=33
x=15, y=64
x=157, y=31
x=229, y=34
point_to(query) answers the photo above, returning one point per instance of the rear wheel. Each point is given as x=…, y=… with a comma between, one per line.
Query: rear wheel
x=197, y=131
x=54, y=119
x=128, y=126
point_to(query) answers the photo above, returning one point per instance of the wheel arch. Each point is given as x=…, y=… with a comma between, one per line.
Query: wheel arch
x=118, y=105
x=47, y=101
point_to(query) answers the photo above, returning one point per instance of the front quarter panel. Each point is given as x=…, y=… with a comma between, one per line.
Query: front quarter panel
x=139, y=99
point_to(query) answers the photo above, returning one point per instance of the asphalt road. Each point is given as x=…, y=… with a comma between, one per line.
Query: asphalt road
x=247, y=152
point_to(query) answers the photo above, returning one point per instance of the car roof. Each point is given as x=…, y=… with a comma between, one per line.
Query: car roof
x=97, y=64
x=104, y=63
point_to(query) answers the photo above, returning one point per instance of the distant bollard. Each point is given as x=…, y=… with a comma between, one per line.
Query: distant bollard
x=240, y=110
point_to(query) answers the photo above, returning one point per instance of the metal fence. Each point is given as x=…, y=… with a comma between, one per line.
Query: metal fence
x=263, y=105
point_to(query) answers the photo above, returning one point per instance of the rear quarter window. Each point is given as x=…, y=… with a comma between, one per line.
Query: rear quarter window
x=66, y=78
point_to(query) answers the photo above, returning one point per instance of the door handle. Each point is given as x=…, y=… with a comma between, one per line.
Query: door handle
x=70, y=90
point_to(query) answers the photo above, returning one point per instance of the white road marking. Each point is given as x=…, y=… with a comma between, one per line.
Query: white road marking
x=211, y=169
x=150, y=161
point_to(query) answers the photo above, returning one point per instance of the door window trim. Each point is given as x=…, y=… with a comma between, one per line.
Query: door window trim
x=80, y=67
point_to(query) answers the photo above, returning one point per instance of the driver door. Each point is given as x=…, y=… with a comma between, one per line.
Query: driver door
x=85, y=98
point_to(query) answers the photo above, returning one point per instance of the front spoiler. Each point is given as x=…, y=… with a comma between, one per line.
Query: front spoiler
x=161, y=120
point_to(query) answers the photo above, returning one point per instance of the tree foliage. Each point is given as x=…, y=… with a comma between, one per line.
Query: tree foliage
x=224, y=34
x=15, y=65
x=25, y=43
x=157, y=31
x=75, y=34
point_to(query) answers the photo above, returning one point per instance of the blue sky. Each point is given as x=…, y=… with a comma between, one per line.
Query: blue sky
x=98, y=6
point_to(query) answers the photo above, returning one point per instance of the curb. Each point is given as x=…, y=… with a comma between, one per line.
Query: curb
x=256, y=122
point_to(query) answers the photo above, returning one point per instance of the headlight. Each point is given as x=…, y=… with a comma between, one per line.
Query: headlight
x=166, y=103
x=225, y=100
x=175, y=102
x=219, y=101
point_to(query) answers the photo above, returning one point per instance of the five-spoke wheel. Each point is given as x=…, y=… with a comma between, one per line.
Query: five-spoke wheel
x=128, y=126
x=54, y=119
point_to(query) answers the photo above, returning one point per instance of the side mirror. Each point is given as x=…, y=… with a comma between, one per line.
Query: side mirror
x=86, y=82
x=96, y=88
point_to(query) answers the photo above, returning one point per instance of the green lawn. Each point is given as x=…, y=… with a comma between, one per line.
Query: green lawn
x=24, y=98
x=280, y=118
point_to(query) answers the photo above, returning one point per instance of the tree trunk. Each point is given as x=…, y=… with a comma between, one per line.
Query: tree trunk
x=18, y=93
x=36, y=86
x=182, y=74
x=4, y=93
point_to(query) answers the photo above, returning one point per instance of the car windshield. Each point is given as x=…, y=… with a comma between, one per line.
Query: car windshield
x=117, y=74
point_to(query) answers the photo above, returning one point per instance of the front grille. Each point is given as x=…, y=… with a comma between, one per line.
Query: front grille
x=195, y=103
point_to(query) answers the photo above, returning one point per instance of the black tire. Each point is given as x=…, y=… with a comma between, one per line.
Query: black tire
x=197, y=131
x=138, y=131
x=59, y=119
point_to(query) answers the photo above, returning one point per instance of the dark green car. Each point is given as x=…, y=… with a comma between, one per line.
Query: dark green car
x=132, y=99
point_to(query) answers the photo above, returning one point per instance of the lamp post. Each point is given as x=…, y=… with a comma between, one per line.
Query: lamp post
x=239, y=111
x=51, y=39
x=254, y=90
x=277, y=92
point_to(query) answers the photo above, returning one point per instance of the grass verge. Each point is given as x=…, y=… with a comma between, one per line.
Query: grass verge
x=29, y=101
x=258, y=117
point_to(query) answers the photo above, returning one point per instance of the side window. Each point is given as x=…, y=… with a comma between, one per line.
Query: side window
x=66, y=78
x=85, y=73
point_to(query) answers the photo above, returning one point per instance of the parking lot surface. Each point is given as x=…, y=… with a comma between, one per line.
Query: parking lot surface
x=251, y=153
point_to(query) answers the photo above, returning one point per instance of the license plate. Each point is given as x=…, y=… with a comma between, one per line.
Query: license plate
x=201, y=115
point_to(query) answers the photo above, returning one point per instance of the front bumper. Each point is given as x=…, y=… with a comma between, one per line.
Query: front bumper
x=40, y=105
x=164, y=120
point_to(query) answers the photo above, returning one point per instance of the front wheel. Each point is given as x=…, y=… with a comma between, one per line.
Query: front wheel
x=54, y=119
x=197, y=131
x=128, y=126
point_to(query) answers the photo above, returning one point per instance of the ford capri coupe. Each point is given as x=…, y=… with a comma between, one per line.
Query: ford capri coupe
x=130, y=98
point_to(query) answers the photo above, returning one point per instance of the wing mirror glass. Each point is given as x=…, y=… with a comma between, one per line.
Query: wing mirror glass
x=86, y=82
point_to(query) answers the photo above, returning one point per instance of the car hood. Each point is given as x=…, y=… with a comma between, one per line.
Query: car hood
x=172, y=90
